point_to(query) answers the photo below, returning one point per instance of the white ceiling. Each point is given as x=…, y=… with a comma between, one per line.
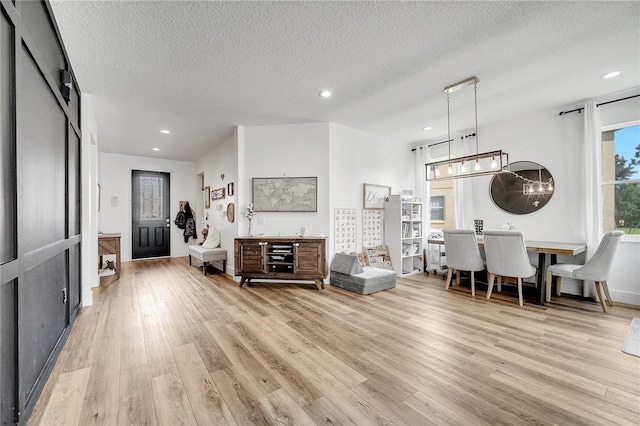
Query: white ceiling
x=201, y=68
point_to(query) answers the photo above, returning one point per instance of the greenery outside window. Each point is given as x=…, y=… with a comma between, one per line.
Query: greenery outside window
x=621, y=178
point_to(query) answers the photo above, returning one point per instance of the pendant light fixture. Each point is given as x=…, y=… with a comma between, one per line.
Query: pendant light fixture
x=470, y=165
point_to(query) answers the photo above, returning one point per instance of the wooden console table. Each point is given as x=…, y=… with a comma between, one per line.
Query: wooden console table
x=109, y=244
x=281, y=258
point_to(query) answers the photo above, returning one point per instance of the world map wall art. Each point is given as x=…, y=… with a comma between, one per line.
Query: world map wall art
x=285, y=194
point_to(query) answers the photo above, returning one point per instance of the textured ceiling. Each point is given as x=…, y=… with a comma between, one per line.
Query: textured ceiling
x=201, y=68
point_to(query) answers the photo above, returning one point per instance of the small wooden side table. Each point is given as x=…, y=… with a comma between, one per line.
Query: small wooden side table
x=110, y=244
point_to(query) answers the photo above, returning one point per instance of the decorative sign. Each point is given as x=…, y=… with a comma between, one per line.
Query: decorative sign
x=217, y=194
x=371, y=228
x=375, y=196
x=479, y=225
x=345, y=230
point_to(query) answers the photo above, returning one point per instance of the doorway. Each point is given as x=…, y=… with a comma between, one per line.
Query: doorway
x=150, y=210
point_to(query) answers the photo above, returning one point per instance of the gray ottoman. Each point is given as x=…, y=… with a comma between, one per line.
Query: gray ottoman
x=346, y=272
x=207, y=255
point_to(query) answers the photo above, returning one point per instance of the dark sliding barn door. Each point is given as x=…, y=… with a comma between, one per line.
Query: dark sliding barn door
x=150, y=220
x=40, y=150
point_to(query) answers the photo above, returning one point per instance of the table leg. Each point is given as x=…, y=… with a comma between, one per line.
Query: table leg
x=540, y=290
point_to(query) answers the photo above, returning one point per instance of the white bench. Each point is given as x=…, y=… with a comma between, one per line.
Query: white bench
x=208, y=255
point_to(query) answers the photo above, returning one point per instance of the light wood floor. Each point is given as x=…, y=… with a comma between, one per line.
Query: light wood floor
x=165, y=345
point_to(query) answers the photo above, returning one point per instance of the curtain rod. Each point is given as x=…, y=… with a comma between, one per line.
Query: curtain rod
x=450, y=140
x=579, y=110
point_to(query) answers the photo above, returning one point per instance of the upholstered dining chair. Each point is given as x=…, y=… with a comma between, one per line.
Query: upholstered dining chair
x=596, y=269
x=463, y=254
x=507, y=256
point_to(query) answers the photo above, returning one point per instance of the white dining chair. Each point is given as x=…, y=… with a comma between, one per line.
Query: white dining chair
x=463, y=254
x=507, y=256
x=596, y=269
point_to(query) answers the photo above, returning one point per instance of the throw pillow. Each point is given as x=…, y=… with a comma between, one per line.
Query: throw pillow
x=213, y=239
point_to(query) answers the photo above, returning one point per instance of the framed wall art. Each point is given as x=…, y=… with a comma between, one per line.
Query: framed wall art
x=345, y=230
x=374, y=196
x=206, y=197
x=285, y=194
x=217, y=194
x=372, y=227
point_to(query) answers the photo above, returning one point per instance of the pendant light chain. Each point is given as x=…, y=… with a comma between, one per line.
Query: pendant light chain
x=475, y=92
x=450, y=169
x=499, y=160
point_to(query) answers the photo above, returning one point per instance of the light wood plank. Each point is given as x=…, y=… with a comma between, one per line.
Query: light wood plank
x=206, y=402
x=63, y=408
x=171, y=401
x=283, y=410
x=137, y=405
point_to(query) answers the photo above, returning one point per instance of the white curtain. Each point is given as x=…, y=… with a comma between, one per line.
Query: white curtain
x=420, y=187
x=462, y=188
x=592, y=183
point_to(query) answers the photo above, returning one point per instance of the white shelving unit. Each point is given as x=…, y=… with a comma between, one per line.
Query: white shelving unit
x=403, y=235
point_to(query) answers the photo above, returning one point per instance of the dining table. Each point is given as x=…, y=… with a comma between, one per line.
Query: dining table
x=543, y=248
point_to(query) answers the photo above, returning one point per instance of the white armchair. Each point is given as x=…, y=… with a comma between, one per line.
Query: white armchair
x=596, y=269
x=463, y=254
x=507, y=256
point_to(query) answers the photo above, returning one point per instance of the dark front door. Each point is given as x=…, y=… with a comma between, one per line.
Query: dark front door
x=150, y=221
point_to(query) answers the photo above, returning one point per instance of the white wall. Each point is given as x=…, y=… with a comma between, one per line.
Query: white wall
x=295, y=150
x=222, y=159
x=538, y=138
x=89, y=161
x=115, y=180
x=356, y=158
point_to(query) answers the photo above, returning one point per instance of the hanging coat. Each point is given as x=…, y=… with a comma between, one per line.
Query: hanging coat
x=190, y=226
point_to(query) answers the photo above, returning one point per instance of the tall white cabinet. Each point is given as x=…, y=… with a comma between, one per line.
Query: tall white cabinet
x=403, y=235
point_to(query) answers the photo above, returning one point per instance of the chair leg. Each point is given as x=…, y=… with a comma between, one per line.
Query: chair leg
x=448, y=281
x=520, y=301
x=499, y=284
x=490, y=285
x=558, y=283
x=457, y=276
x=473, y=284
x=604, y=307
x=549, y=281
x=605, y=287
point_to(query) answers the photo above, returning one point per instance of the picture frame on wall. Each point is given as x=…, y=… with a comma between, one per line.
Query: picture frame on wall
x=206, y=197
x=374, y=196
x=285, y=194
x=217, y=194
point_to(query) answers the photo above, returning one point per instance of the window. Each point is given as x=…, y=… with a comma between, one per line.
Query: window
x=437, y=208
x=621, y=179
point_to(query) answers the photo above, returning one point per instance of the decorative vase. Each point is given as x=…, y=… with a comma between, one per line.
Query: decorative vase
x=250, y=232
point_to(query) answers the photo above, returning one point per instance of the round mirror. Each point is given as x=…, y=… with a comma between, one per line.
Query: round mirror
x=525, y=188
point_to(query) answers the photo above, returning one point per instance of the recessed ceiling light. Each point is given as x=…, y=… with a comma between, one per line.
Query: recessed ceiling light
x=427, y=128
x=166, y=132
x=156, y=149
x=611, y=74
x=326, y=94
